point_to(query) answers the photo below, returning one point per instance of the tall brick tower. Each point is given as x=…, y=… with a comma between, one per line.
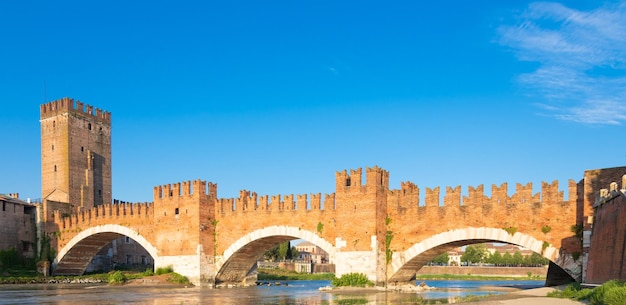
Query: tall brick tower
x=75, y=154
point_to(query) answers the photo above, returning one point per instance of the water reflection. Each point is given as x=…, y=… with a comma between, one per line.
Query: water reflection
x=289, y=292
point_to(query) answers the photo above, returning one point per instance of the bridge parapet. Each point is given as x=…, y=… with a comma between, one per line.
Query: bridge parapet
x=185, y=189
x=250, y=201
x=102, y=214
x=550, y=193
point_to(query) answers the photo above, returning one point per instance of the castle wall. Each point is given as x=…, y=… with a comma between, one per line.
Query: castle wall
x=607, y=251
x=521, y=212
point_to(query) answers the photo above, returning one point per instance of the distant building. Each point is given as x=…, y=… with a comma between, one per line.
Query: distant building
x=507, y=248
x=18, y=229
x=311, y=253
x=121, y=252
x=454, y=257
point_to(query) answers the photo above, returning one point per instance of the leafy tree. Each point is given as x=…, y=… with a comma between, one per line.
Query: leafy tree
x=442, y=258
x=294, y=252
x=272, y=254
x=507, y=259
x=495, y=258
x=518, y=258
x=537, y=260
x=283, y=250
x=475, y=254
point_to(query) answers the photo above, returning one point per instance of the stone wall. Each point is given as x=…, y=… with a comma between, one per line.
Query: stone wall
x=607, y=251
x=17, y=226
x=485, y=271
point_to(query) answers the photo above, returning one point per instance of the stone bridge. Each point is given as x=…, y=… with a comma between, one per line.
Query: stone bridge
x=364, y=226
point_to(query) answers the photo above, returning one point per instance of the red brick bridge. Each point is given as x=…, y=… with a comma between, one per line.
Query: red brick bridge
x=364, y=226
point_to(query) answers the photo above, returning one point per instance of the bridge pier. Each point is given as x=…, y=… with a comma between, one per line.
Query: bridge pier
x=366, y=262
x=198, y=268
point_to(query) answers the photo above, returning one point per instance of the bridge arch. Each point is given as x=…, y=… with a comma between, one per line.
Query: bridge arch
x=241, y=256
x=405, y=264
x=76, y=255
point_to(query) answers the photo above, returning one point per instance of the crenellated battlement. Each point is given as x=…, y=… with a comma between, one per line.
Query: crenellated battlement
x=250, y=201
x=374, y=176
x=475, y=195
x=67, y=104
x=185, y=189
x=613, y=191
x=103, y=214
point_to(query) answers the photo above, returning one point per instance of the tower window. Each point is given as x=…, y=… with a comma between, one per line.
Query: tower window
x=89, y=126
x=176, y=211
x=55, y=168
x=82, y=149
x=54, y=124
x=127, y=239
x=100, y=193
x=52, y=147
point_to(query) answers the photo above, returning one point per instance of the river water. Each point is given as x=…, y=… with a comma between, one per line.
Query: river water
x=287, y=293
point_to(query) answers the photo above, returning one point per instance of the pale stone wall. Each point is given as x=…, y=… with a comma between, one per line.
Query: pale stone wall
x=186, y=265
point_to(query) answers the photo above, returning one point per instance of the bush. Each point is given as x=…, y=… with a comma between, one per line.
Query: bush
x=610, y=293
x=178, y=279
x=117, y=278
x=597, y=297
x=148, y=272
x=352, y=280
x=164, y=270
x=615, y=296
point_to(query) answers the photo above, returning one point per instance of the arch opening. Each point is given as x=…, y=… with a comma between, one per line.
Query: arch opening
x=79, y=253
x=240, y=259
x=405, y=265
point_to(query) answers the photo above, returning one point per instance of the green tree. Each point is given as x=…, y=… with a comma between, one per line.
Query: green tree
x=475, y=254
x=283, y=250
x=507, y=259
x=518, y=258
x=272, y=254
x=495, y=258
x=537, y=260
x=442, y=258
x=294, y=252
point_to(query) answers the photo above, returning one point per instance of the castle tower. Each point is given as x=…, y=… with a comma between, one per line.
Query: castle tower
x=75, y=153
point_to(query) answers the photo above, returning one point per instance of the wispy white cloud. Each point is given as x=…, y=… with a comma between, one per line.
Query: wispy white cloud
x=582, y=57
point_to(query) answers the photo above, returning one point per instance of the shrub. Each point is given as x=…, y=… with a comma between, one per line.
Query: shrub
x=352, y=280
x=148, y=272
x=117, y=278
x=610, y=293
x=177, y=278
x=599, y=293
x=615, y=296
x=164, y=270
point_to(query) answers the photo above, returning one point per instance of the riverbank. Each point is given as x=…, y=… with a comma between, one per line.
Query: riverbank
x=536, y=296
x=127, y=277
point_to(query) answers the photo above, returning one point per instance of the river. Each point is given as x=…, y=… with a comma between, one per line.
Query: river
x=288, y=292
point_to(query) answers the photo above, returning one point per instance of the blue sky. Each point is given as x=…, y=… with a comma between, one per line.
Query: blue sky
x=276, y=96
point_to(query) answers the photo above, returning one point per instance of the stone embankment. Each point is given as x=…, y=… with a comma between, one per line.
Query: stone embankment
x=485, y=271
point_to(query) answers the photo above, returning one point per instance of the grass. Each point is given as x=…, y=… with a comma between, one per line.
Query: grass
x=267, y=274
x=610, y=293
x=113, y=278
